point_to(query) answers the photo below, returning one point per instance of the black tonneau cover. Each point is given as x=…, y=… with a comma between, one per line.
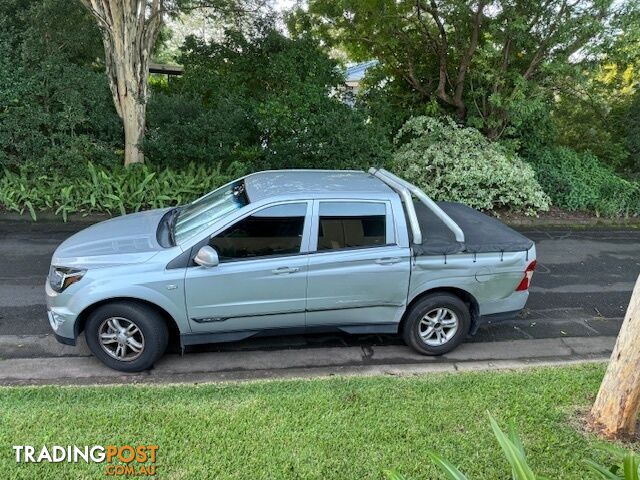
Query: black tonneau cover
x=482, y=233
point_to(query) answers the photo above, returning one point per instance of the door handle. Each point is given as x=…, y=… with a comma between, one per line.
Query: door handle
x=283, y=270
x=387, y=260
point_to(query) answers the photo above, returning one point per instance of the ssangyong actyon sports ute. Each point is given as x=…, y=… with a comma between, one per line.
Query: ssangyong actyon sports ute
x=282, y=252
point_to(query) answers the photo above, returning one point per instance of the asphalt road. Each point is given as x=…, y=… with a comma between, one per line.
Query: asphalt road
x=580, y=289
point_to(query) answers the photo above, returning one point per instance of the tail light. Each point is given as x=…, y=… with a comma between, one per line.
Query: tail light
x=528, y=273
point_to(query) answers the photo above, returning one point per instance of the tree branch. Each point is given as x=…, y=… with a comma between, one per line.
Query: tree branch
x=468, y=55
x=443, y=49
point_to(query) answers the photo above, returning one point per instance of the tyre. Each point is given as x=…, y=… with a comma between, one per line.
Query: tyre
x=126, y=336
x=437, y=324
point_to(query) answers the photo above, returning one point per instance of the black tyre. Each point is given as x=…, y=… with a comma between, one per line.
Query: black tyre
x=437, y=324
x=126, y=336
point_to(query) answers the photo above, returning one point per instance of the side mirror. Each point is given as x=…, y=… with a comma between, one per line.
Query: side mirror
x=207, y=257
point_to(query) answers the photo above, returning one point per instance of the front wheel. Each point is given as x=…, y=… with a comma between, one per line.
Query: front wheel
x=437, y=324
x=126, y=336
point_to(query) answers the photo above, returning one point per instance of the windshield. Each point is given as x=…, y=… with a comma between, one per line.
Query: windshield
x=200, y=214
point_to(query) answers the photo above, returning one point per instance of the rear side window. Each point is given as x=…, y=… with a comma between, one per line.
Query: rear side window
x=271, y=231
x=351, y=225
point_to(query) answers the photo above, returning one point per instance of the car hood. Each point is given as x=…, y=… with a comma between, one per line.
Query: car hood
x=121, y=240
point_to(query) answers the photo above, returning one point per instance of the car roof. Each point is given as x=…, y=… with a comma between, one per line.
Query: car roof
x=263, y=185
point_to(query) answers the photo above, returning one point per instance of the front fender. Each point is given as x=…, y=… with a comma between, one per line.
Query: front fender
x=169, y=296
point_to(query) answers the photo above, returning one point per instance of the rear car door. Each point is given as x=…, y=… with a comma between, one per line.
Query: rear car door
x=260, y=282
x=358, y=274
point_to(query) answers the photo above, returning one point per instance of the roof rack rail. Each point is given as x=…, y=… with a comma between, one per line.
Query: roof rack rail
x=403, y=188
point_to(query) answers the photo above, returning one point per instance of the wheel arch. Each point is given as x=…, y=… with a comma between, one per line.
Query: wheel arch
x=465, y=296
x=172, y=326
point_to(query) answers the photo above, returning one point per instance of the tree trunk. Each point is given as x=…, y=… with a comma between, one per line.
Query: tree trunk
x=133, y=119
x=129, y=30
x=615, y=412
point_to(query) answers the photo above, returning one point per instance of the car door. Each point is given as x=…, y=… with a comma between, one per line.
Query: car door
x=260, y=282
x=358, y=274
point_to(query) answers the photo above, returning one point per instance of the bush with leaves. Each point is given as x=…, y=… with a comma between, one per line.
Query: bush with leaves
x=262, y=98
x=56, y=111
x=632, y=131
x=579, y=181
x=112, y=191
x=459, y=164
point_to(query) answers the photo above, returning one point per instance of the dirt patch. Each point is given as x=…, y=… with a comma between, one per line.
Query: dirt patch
x=579, y=420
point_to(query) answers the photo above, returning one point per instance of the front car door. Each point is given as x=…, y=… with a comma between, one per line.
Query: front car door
x=260, y=282
x=358, y=274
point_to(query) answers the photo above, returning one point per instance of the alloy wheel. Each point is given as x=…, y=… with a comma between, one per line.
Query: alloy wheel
x=121, y=339
x=438, y=326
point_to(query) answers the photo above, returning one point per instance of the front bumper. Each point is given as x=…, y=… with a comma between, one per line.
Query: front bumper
x=61, y=319
x=65, y=340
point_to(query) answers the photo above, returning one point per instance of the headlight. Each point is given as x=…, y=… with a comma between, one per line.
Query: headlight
x=61, y=277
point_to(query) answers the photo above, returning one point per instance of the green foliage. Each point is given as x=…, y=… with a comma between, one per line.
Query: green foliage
x=183, y=130
x=263, y=99
x=592, y=113
x=496, y=71
x=260, y=99
x=459, y=164
x=393, y=475
x=448, y=468
x=388, y=103
x=56, y=110
x=341, y=427
x=579, y=181
x=513, y=450
x=113, y=191
x=627, y=466
x=632, y=131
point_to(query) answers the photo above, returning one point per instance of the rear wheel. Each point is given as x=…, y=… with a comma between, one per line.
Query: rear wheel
x=437, y=324
x=126, y=336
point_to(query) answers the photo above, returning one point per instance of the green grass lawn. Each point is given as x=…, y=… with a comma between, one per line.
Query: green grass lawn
x=343, y=428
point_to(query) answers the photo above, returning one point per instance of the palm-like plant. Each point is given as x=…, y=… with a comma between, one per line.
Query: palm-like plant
x=628, y=467
x=512, y=447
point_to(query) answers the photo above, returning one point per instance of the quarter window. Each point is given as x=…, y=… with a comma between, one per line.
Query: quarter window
x=271, y=231
x=351, y=224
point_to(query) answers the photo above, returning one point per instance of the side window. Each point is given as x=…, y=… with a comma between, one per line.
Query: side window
x=272, y=231
x=351, y=224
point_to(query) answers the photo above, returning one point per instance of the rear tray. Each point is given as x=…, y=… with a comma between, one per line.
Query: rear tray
x=483, y=234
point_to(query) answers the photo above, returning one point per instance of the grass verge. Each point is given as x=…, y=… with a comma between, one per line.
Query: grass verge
x=344, y=428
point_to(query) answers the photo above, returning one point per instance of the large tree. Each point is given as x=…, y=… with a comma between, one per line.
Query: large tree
x=597, y=108
x=614, y=414
x=478, y=60
x=129, y=31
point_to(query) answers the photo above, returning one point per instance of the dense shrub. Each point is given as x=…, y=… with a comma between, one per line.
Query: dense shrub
x=112, y=191
x=459, y=164
x=263, y=99
x=579, y=181
x=56, y=111
x=632, y=132
x=182, y=129
x=57, y=125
